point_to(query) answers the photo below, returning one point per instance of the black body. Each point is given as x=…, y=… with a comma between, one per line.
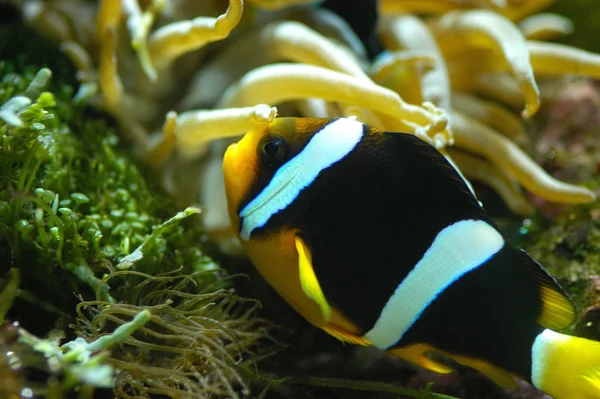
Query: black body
x=368, y=220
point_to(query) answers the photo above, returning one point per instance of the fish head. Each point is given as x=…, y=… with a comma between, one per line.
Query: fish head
x=258, y=167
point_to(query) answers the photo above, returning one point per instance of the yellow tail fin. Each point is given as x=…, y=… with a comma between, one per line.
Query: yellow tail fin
x=566, y=367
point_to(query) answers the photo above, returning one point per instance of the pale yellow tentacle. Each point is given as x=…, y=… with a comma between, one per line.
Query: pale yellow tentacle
x=546, y=26
x=171, y=41
x=500, y=87
x=82, y=60
x=503, y=153
x=317, y=108
x=551, y=59
x=411, y=33
x=478, y=169
x=401, y=72
x=297, y=42
x=194, y=129
x=524, y=8
x=480, y=28
x=390, y=7
x=491, y=114
x=108, y=73
x=273, y=84
x=139, y=23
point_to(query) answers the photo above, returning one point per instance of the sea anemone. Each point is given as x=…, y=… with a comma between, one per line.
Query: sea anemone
x=196, y=342
x=453, y=72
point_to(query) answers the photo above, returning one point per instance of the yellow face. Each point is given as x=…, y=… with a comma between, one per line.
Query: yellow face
x=240, y=167
x=274, y=254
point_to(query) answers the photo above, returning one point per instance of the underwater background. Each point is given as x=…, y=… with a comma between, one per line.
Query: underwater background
x=116, y=280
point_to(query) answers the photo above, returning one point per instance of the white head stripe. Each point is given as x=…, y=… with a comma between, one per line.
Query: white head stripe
x=456, y=250
x=329, y=145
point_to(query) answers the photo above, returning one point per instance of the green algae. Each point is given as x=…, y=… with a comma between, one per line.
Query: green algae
x=96, y=245
x=82, y=361
x=69, y=199
x=568, y=246
x=74, y=207
x=9, y=292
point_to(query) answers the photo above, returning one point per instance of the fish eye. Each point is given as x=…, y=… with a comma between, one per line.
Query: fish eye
x=272, y=150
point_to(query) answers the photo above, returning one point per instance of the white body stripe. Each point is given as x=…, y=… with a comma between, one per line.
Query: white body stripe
x=329, y=145
x=456, y=250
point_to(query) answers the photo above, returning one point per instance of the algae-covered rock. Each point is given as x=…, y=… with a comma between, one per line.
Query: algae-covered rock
x=566, y=239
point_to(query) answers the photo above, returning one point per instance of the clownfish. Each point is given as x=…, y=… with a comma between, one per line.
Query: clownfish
x=376, y=238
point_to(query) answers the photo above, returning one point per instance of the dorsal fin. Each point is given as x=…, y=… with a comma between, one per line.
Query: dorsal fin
x=557, y=310
x=439, y=166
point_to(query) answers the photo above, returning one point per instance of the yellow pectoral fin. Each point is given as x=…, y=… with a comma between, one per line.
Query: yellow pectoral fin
x=308, y=279
x=416, y=355
x=345, y=336
x=501, y=377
